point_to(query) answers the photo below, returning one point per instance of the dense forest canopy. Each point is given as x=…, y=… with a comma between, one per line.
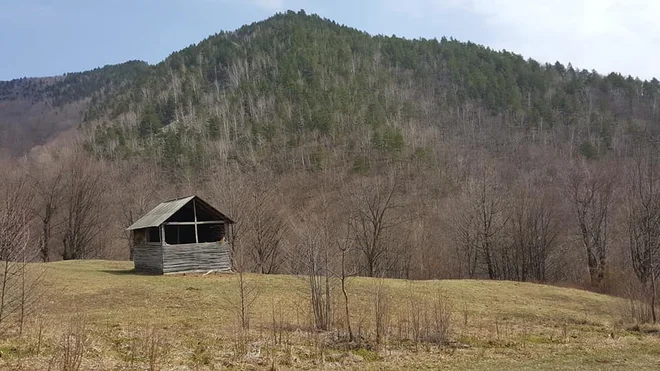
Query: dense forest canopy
x=294, y=77
x=421, y=158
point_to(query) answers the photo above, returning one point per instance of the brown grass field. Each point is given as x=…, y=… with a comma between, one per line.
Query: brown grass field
x=116, y=320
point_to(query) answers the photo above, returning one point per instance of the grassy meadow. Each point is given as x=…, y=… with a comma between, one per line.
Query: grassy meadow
x=98, y=315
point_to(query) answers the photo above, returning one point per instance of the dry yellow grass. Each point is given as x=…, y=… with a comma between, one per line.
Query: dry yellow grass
x=495, y=324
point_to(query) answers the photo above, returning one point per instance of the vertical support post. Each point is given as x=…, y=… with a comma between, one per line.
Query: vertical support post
x=161, y=230
x=195, y=213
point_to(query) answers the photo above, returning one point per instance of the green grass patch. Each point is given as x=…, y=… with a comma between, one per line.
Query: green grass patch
x=367, y=355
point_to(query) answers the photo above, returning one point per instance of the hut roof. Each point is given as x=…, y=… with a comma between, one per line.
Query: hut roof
x=159, y=214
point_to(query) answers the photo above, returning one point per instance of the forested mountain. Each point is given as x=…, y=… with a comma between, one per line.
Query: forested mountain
x=409, y=158
x=34, y=110
x=300, y=85
x=295, y=77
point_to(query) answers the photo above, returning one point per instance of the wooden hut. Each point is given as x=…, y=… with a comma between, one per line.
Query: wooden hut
x=181, y=236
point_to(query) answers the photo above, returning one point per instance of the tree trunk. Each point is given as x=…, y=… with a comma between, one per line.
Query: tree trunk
x=45, y=242
x=489, y=262
x=343, y=290
x=596, y=273
x=653, y=315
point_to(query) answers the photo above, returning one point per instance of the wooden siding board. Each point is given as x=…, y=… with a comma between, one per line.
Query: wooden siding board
x=148, y=259
x=195, y=257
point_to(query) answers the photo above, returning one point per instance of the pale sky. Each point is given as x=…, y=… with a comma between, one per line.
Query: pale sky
x=45, y=37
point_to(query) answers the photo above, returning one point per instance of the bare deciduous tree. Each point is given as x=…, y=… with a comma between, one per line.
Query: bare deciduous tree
x=84, y=207
x=243, y=306
x=534, y=232
x=591, y=192
x=381, y=310
x=139, y=188
x=643, y=222
x=376, y=212
x=479, y=224
x=265, y=227
x=232, y=190
x=344, y=246
x=46, y=182
x=314, y=252
x=18, y=286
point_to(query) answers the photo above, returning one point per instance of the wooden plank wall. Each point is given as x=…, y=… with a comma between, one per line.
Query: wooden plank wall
x=196, y=257
x=148, y=259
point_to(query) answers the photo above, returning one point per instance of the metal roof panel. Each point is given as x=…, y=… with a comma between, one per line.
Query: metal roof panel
x=159, y=214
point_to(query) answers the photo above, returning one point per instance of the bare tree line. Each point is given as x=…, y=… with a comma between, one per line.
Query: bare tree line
x=486, y=227
x=19, y=286
x=551, y=217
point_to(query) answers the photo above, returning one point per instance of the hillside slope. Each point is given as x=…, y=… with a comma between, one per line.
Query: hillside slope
x=494, y=324
x=300, y=83
x=491, y=160
x=34, y=110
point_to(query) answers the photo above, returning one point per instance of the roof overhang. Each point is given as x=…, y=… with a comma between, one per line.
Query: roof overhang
x=159, y=214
